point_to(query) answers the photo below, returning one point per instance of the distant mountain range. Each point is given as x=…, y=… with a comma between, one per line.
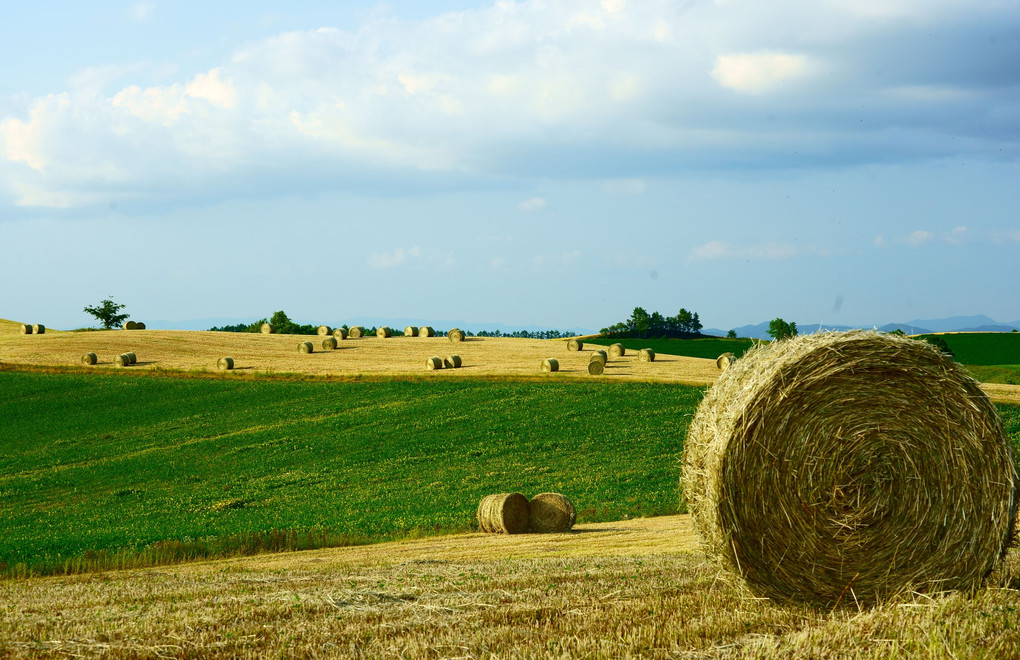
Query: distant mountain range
x=979, y=323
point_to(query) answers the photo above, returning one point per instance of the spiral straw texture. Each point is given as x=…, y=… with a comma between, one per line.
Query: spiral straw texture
x=850, y=468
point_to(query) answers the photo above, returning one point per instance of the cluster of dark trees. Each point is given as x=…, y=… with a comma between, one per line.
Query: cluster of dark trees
x=523, y=334
x=281, y=324
x=642, y=325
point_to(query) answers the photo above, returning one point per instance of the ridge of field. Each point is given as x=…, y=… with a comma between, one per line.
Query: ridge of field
x=14, y=328
x=706, y=348
x=102, y=470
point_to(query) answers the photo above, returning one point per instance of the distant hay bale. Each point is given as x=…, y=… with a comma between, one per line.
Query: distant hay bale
x=329, y=343
x=550, y=365
x=132, y=357
x=266, y=329
x=305, y=347
x=433, y=363
x=130, y=325
x=225, y=363
x=456, y=335
x=725, y=360
x=575, y=345
x=89, y=358
x=551, y=512
x=26, y=329
x=340, y=333
x=123, y=360
x=599, y=355
x=617, y=350
x=426, y=331
x=139, y=326
x=356, y=332
x=850, y=467
x=324, y=330
x=452, y=362
x=646, y=355
x=596, y=367
x=411, y=331
x=503, y=513
x=383, y=332
x=38, y=329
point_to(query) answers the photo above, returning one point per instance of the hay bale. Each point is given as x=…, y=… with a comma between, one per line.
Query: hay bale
x=383, y=332
x=357, y=332
x=225, y=363
x=849, y=468
x=26, y=329
x=646, y=355
x=725, y=360
x=503, y=513
x=551, y=512
x=39, y=329
x=89, y=358
x=433, y=363
x=340, y=333
x=596, y=367
x=411, y=331
x=130, y=325
x=599, y=355
x=123, y=360
x=139, y=326
x=452, y=362
x=305, y=347
x=266, y=329
x=617, y=350
x=329, y=343
x=132, y=357
x=324, y=330
x=426, y=331
x=456, y=335
x=550, y=365
x=575, y=345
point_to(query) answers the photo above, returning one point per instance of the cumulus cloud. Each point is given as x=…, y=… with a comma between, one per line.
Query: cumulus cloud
x=758, y=72
x=723, y=250
x=393, y=259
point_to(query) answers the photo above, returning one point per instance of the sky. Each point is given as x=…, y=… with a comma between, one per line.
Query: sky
x=538, y=163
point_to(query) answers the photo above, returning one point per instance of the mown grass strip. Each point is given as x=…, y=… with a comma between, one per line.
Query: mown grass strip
x=699, y=348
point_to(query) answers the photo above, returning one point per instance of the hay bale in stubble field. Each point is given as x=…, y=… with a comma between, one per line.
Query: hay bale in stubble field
x=426, y=331
x=329, y=343
x=575, y=345
x=596, y=367
x=383, y=332
x=850, y=467
x=725, y=360
x=139, y=325
x=452, y=362
x=455, y=335
x=551, y=512
x=305, y=347
x=503, y=513
x=123, y=360
x=89, y=358
x=617, y=350
x=646, y=355
x=411, y=331
x=131, y=356
x=356, y=332
x=225, y=363
x=599, y=355
x=266, y=329
x=324, y=330
x=130, y=325
x=340, y=333
x=26, y=329
x=39, y=329
x=550, y=365
x=433, y=363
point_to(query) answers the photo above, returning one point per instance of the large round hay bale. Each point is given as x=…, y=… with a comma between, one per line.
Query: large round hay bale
x=340, y=333
x=89, y=358
x=617, y=350
x=130, y=325
x=225, y=363
x=456, y=335
x=725, y=360
x=503, y=513
x=550, y=365
x=849, y=468
x=123, y=360
x=433, y=363
x=324, y=330
x=139, y=326
x=646, y=355
x=26, y=329
x=596, y=367
x=329, y=343
x=575, y=345
x=131, y=356
x=356, y=332
x=38, y=329
x=305, y=347
x=452, y=362
x=551, y=512
x=599, y=355
x=426, y=331
x=383, y=332
x=411, y=331
x=266, y=329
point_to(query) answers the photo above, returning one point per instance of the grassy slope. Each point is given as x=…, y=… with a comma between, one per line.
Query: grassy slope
x=984, y=348
x=106, y=463
x=699, y=348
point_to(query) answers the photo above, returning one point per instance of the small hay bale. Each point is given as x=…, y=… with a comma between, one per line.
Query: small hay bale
x=596, y=367
x=452, y=362
x=725, y=360
x=503, y=513
x=357, y=332
x=599, y=355
x=139, y=326
x=130, y=325
x=550, y=365
x=617, y=350
x=575, y=345
x=383, y=332
x=850, y=468
x=411, y=331
x=132, y=357
x=39, y=329
x=305, y=347
x=433, y=363
x=89, y=358
x=456, y=335
x=646, y=355
x=225, y=363
x=266, y=329
x=340, y=333
x=26, y=329
x=551, y=512
x=329, y=343
x=426, y=331
x=324, y=330
x=123, y=360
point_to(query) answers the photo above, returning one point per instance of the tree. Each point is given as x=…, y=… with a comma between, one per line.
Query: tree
x=780, y=329
x=732, y=334
x=639, y=321
x=106, y=313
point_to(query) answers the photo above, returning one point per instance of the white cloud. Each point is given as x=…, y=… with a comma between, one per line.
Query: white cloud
x=497, y=263
x=723, y=250
x=533, y=204
x=212, y=88
x=393, y=259
x=141, y=11
x=918, y=237
x=754, y=73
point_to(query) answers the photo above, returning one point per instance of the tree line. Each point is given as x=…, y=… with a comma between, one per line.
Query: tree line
x=642, y=325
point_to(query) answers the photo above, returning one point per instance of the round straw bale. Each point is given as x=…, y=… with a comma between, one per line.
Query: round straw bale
x=456, y=334
x=356, y=332
x=646, y=355
x=139, y=326
x=328, y=343
x=599, y=355
x=266, y=329
x=39, y=329
x=725, y=360
x=850, y=467
x=324, y=330
x=130, y=325
x=411, y=331
x=551, y=512
x=504, y=513
x=596, y=367
x=131, y=356
x=123, y=360
x=89, y=358
x=225, y=363
x=617, y=350
x=452, y=362
x=550, y=365
x=433, y=363
x=26, y=329
x=383, y=332
x=426, y=331
x=575, y=345
x=305, y=347
x=340, y=333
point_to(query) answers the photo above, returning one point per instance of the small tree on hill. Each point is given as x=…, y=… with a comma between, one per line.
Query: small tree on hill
x=106, y=312
x=732, y=334
x=780, y=329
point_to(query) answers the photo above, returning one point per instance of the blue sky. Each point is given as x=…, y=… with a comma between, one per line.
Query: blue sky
x=547, y=163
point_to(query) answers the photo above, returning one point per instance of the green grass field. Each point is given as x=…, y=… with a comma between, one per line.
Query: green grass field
x=985, y=348
x=699, y=348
